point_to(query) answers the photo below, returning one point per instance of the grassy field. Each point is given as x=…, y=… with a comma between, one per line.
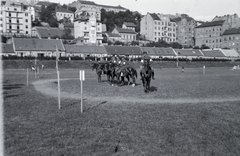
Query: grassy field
x=184, y=114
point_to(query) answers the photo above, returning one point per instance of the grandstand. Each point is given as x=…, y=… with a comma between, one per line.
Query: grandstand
x=123, y=50
x=7, y=49
x=217, y=53
x=231, y=53
x=80, y=50
x=156, y=52
x=188, y=53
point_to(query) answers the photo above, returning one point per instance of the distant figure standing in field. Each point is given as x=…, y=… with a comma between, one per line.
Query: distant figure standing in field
x=42, y=66
x=182, y=69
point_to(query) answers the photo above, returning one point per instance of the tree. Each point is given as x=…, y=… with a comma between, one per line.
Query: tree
x=36, y=22
x=48, y=15
x=134, y=43
x=67, y=34
x=204, y=46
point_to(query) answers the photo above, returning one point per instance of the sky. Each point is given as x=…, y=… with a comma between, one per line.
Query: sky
x=198, y=9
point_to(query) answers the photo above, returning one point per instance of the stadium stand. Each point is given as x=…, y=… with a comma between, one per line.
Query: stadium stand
x=123, y=50
x=213, y=53
x=7, y=49
x=188, y=52
x=84, y=49
x=159, y=51
x=230, y=52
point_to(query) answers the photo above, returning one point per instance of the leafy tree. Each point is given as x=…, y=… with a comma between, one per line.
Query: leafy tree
x=204, y=46
x=118, y=43
x=67, y=34
x=48, y=15
x=134, y=43
x=112, y=19
x=36, y=22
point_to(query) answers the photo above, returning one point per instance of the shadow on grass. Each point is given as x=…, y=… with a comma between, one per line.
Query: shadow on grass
x=153, y=89
x=90, y=108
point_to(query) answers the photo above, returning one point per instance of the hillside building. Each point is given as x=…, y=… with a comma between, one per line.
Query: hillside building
x=185, y=30
x=90, y=4
x=87, y=24
x=62, y=14
x=156, y=27
x=231, y=39
x=15, y=20
x=210, y=33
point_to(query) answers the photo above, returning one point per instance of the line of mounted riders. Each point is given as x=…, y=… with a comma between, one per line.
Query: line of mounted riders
x=120, y=69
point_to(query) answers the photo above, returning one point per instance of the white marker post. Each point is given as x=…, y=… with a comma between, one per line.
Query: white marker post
x=59, y=100
x=35, y=68
x=82, y=78
x=27, y=77
x=203, y=70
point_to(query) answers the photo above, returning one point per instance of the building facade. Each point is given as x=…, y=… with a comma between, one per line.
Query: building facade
x=210, y=33
x=185, y=30
x=231, y=39
x=62, y=13
x=15, y=20
x=90, y=4
x=127, y=35
x=156, y=27
x=129, y=25
x=87, y=24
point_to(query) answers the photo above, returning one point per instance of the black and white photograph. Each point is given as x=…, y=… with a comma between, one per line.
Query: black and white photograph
x=120, y=78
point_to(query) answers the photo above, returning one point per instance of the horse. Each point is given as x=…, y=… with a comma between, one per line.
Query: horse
x=99, y=69
x=120, y=72
x=146, y=74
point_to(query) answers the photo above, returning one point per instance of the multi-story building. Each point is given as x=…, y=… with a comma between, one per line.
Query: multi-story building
x=185, y=30
x=127, y=35
x=156, y=27
x=62, y=13
x=87, y=24
x=129, y=25
x=231, y=39
x=99, y=6
x=210, y=33
x=15, y=20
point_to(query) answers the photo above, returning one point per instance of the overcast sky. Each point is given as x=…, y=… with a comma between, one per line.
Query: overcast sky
x=198, y=9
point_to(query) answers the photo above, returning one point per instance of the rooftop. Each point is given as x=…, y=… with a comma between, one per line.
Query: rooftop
x=127, y=31
x=232, y=31
x=35, y=44
x=210, y=24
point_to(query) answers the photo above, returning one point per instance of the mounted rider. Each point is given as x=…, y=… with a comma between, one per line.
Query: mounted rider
x=146, y=59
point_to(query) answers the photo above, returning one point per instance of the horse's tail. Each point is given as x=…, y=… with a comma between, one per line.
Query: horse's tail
x=135, y=72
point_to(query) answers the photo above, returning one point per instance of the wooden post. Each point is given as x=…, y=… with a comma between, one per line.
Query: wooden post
x=59, y=102
x=27, y=77
x=35, y=68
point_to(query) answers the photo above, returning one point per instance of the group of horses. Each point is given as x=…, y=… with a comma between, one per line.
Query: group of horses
x=116, y=73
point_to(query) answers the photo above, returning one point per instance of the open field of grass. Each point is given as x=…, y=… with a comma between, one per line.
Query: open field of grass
x=184, y=114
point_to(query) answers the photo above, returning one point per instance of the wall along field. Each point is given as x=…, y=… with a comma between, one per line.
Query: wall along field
x=184, y=114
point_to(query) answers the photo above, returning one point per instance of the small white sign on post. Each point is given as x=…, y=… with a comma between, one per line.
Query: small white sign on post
x=81, y=78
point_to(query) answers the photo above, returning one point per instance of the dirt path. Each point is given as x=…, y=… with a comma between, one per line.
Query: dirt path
x=44, y=87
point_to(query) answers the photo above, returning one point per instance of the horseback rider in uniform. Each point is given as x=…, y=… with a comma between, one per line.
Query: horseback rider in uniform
x=146, y=59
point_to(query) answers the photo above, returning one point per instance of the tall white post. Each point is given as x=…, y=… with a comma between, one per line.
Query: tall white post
x=35, y=67
x=59, y=102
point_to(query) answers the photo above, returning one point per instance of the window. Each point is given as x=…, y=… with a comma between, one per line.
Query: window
x=26, y=32
x=230, y=38
x=17, y=27
x=10, y=21
x=219, y=40
x=17, y=21
x=26, y=26
x=9, y=14
x=26, y=20
x=15, y=9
